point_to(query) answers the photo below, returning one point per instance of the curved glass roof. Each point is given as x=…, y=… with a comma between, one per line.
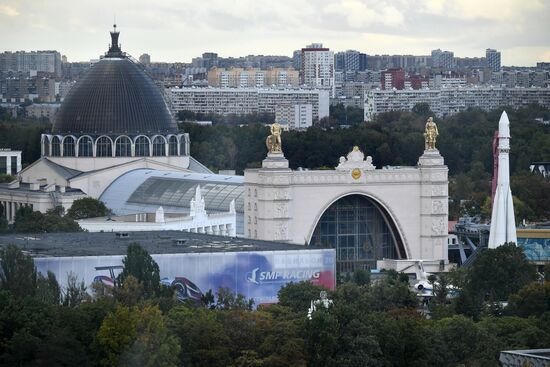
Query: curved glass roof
x=144, y=190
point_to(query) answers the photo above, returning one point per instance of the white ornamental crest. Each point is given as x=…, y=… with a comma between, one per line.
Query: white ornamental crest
x=355, y=159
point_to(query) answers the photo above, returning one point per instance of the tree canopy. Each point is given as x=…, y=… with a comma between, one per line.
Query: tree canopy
x=88, y=208
x=140, y=265
x=369, y=323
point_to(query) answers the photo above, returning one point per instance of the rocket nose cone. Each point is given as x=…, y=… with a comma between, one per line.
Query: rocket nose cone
x=504, y=126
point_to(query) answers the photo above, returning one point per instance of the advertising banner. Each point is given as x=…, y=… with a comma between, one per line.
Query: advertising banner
x=258, y=274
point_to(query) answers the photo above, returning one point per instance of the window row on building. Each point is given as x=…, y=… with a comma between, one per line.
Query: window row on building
x=120, y=146
x=449, y=101
x=253, y=77
x=226, y=101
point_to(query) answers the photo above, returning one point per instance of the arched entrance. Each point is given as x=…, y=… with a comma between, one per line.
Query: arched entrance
x=360, y=230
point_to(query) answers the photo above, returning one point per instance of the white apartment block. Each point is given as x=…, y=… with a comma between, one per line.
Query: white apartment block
x=43, y=61
x=42, y=110
x=448, y=101
x=253, y=77
x=318, y=67
x=225, y=101
x=294, y=117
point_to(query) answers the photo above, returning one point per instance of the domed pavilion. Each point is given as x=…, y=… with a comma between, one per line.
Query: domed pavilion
x=114, y=114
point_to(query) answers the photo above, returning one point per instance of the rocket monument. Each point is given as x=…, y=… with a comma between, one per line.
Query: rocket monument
x=503, y=224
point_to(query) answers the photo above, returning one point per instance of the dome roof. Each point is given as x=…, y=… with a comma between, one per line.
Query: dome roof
x=115, y=96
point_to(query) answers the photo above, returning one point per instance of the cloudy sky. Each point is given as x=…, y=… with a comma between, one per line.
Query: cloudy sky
x=177, y=30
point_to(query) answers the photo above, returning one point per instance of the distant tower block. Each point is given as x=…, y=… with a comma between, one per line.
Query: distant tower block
x=503, y=224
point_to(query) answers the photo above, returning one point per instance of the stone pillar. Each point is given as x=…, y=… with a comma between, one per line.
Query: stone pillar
x=8, y=164
x=11, y=212
x=19, y=163
x=268, y=191
x=434, y=202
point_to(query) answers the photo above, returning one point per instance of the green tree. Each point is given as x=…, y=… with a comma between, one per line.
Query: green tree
x=531, y=300
x=17, y=272
x=29, y=221
x=498, y=273
x=75, y=293
x=423, y=109
x=154, y=344
x=5, y=178
x=117, y=333
x=131, y=292
x=227, y=300
x=88, y=208
x=361, y=277
x=47, y=289
x=203, y=340
x=390, y=293
x=321, y=338
x=441, y=289
x=298, y=296
x=139, y=264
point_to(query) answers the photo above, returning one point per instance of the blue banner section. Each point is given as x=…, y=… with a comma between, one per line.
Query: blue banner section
x=536, y=249
x=258, y=275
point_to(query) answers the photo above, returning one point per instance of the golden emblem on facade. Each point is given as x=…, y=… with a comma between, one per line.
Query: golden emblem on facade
x=356, y=173
x=430, y=134
x=273, y=141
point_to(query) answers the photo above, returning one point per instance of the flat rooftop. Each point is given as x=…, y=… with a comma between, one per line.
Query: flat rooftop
x=116, y=243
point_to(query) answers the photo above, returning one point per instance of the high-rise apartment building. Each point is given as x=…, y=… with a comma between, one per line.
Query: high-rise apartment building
x=339, y=61
x=318, y=67
x=443, y=59
x=350, y=60
x=392, y=78
x=39, y=61
x=297, y=59
x=294, y=116
x=209, y=60
x=493, y=59
x=145, y=59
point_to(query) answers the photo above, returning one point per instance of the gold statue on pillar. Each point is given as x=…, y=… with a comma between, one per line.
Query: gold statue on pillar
x=273, y=141
x=430, y=134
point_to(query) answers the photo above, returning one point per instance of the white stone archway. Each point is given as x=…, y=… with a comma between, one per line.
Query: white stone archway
x=290, y=203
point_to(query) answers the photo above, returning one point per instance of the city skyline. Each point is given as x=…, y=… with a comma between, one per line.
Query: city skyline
x=178, y=31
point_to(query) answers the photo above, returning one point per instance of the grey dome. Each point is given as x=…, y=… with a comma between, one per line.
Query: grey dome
x=114, y=97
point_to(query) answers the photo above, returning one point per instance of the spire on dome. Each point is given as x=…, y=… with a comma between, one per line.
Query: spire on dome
x=114, y=48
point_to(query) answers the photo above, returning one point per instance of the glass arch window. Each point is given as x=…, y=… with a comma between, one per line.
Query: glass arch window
x=85, y=147
x=104, y=147
x=46, y=146
x=159, y=146
x=173, y=145
x=142, y=147
x=182, y=145
x=68, y=147
x=56, y=147
x=360, y=232
x=123, y=147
